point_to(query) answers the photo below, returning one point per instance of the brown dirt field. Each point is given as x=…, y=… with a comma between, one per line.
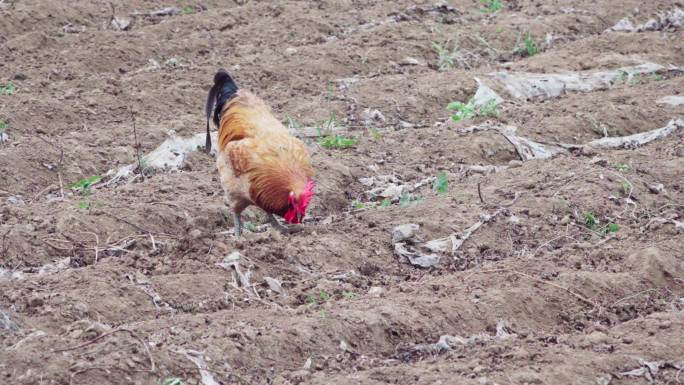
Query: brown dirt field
x=112, y=287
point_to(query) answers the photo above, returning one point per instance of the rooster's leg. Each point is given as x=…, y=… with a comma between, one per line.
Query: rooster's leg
x=238, y=224
x=277, y=225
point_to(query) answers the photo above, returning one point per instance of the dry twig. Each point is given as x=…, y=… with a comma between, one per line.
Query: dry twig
x=59, y=164
x=101, y=336
x=535, y=279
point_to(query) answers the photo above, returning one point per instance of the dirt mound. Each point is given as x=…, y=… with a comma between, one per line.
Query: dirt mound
x=545, y=222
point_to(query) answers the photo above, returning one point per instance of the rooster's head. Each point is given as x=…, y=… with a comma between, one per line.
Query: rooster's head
x=298, y=203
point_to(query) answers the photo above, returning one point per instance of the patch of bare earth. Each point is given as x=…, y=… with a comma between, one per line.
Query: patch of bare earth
x=520, y=268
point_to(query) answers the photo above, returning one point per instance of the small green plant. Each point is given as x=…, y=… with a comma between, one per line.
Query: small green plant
x=491, y=6
x=656, y=76
x=446, y=57
x=323, y=296
x=622, y=76
x=364, y=57
x=313, y=299
x=83, y=185
x=465, y=111
x=490, y=109
x=636, y=79
x=173, y=381
x=590, y=220
x=83, y=205
x=143, y=162
x=250, y=227
x=591, y=223
x=608, y=229
x=293, y=124
x=385, y=203
x=441, y=184
x=358, y=205
x=406, y=199
x=330, y=92
x=337, y=142
x=327, y=125
x=621, y=167
x=499, y=29
x=613, y=227
x=348, y=295
x=626, y=187
x=188, y=10
x=530, y=46
x=375, y=134
x=7, y=89
x=3, y=126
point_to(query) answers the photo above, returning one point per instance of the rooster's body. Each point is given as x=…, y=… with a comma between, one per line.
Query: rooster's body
x=259, y=162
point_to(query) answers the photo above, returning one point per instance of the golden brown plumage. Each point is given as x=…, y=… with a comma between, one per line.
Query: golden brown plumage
x=259, y=162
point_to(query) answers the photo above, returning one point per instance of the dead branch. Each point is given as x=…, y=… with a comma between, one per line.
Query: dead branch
x=137, y=144
x=43, y=191
x=535, y=279
x=101, y=336
x=140, y=228
x=479, y=193
x=550, y=241
x=59, y=163
x=97, y=244
x=197, y=358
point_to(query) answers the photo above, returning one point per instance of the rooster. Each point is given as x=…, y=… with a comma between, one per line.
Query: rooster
x=258, y=161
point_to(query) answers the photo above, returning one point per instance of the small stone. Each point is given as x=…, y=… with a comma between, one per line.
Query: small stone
x=565, y=220
x=404, y=232
x=195, y=234
x=274, y=285
x=15, y=200
x=600, y=162
x=290, y=51
x=371, y=116
x=250, y=334
x=81, y=309
x=584, y=245
x=656, y=188
x=597, y=338
x=515, y=163
x=392, y=191
x=36, y=302
x=587, y=151
x=376, y=291
x=280, y=380
x=368, y=182
x=405, y=125
x=300, y=375
x=410, y=61
x=674, y=100
x=120, y=23
x=4, y=137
